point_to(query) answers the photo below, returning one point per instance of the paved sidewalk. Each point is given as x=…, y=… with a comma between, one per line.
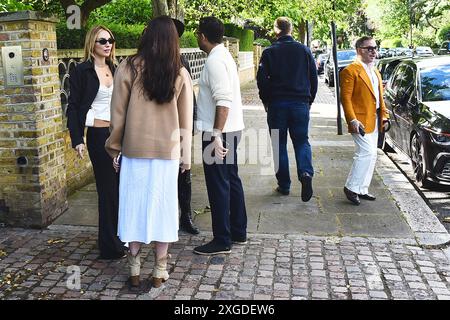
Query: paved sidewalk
x=392, y=248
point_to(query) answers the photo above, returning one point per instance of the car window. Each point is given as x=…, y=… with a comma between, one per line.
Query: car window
x=346, y=55
x=399, y=81
x=435, y=83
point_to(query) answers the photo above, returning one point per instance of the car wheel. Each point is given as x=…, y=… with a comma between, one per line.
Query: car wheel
x=418, y=162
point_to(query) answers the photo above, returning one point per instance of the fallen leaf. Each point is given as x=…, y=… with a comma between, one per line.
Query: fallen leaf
x=53, y=241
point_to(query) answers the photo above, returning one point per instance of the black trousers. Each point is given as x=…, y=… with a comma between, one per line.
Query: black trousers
x=225, y=192
x=107, y=182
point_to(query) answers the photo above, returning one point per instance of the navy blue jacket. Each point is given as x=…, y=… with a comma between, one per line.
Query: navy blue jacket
x=84, y=85
x=287, y=72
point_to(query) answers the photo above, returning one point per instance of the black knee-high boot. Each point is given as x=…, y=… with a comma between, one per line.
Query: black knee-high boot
x=184, y=199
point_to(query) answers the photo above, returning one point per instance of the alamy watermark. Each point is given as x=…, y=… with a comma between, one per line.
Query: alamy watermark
x=74, y=18
x=73, y=282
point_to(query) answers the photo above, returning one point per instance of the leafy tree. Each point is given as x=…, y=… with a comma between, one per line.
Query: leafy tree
x=126, y=12
x=418, y=20
x=13, y=5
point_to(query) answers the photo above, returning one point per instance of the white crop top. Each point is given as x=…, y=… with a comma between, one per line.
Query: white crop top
x=101, y=106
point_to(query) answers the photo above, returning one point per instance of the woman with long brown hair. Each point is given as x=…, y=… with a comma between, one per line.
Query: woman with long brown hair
x=91, y=86
x=151, y=126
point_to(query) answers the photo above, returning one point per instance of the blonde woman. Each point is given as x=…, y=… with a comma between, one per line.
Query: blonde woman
x=151, y=126
x=91, y=86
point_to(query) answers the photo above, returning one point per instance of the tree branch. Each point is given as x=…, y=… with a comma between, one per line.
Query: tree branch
x=66, y=3
x=90, y=5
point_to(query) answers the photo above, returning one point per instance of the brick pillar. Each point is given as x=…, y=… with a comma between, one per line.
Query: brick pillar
x=32, y=171
x=232, y=44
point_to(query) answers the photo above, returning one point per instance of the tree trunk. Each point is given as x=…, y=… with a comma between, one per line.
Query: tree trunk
x=169, y=8
x=302, y=32
x=310, y=33
x=160, y=8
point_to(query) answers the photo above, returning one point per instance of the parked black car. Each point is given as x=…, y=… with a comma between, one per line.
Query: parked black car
x=344, y=58
x=417, y=97
x=386, y=67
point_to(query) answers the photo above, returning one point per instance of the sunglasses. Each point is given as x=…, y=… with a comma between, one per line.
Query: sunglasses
x=103, y=41
x=370, y=49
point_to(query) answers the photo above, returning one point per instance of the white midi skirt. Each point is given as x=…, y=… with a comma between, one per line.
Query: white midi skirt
x=148, y=200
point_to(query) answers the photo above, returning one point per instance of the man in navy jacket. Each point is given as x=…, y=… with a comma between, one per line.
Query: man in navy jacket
x=287, y=83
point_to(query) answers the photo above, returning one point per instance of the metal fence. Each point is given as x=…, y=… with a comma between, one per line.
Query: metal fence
x=68, y=59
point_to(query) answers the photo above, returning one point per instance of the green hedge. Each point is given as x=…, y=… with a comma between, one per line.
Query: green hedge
x=127, y=36
x=245, y=36
x=262, y=42
x=69, y=39
x=188, y=40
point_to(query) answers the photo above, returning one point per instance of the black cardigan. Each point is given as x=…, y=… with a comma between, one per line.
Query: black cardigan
x=84, y=85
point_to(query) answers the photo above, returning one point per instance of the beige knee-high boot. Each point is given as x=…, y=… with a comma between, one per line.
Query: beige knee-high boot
x=134, y=262
x=160, y=273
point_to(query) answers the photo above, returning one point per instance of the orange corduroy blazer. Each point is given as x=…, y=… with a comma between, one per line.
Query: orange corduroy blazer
x=358, y=97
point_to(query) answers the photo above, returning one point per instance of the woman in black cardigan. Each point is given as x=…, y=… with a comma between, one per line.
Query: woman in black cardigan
x=91, y=84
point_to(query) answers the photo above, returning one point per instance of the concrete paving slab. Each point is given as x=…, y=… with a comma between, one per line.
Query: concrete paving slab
x=290, y=222
x=386, y=225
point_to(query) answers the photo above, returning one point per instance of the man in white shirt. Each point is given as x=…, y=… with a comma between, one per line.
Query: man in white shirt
x=220, y=119
x=362, y=100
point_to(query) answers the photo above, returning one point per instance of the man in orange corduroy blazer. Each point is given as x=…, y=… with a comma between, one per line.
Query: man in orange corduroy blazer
x=362, y=100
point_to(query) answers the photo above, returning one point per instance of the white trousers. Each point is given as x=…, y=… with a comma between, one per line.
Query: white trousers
x=361, y=173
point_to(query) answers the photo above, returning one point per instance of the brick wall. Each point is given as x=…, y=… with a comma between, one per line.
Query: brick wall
x=34, y=193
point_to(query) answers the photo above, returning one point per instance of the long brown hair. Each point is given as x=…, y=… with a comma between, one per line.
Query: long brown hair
x=89, y=44
x=158, y=58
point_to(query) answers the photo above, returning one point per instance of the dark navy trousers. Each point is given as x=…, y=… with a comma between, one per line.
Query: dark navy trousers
x=225, y=192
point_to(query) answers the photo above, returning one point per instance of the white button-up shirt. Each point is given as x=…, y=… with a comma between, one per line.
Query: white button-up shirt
x=219, y=86
x=373, y=79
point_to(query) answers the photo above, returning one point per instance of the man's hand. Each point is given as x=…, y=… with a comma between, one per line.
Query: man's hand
x=386, y=125
x=219, y=151
x=80, y=150
x=355, y=124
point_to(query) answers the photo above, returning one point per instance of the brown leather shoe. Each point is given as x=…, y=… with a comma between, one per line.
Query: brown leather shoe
x=367, y=196
x=135, y=281
x=352, y=196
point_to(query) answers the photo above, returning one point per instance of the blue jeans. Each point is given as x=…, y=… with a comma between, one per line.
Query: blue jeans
x=292, y=116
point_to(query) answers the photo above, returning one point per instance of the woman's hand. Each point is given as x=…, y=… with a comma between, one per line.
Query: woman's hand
x=116, y=162
x=80, y=150
x=184, y=167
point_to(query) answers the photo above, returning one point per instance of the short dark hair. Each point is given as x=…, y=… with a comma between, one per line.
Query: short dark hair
x=284, y=25
x=360, y=41
x=212, y=28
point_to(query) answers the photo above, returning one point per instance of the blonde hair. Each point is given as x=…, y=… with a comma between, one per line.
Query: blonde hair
x=89, y=44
